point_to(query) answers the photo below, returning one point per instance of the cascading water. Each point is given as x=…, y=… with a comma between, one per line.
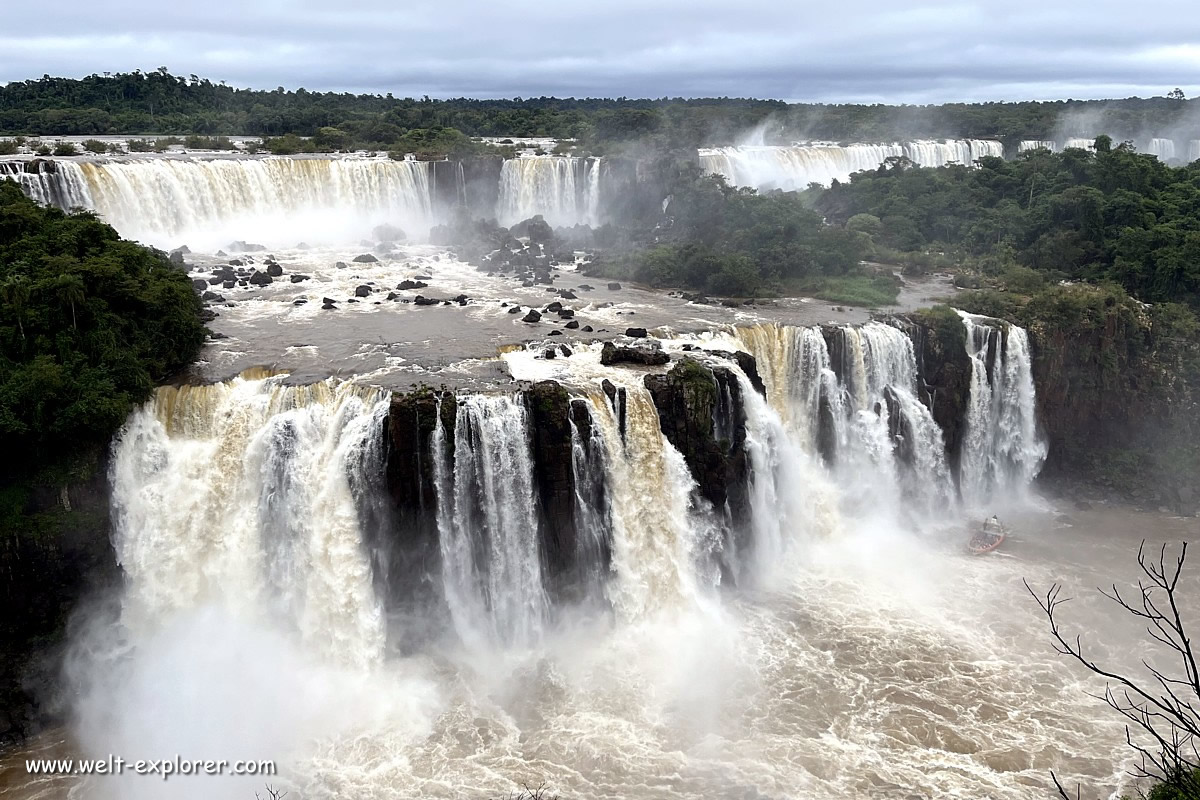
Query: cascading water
x=1084, y=143
x=797, y=166
x=170, y=201
x=661, y=539
x=1163, y=149
x=1002, y=450
x=51, y=183
x=1193, y=150
x=793, y=168
x=563, y=189
x=487, y=523
x=862, y=413
x=1037, y=144
x=239, y=495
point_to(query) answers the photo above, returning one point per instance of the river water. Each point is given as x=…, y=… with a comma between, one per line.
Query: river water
x=879, y=665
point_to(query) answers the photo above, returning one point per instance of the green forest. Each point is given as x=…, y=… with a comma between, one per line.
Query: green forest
x=89, y=325
x=1111, y=215
x=159, y=103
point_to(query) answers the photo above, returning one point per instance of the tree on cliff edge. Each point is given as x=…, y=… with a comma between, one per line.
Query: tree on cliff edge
x=89, y=324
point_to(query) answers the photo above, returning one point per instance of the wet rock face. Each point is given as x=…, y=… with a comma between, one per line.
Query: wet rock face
x=406, y=551
x=649, y=355
x=943, y=375
x=549, y=416
x=700, y=412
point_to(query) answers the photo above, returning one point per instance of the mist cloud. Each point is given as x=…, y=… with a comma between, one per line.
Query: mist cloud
x=936, y=51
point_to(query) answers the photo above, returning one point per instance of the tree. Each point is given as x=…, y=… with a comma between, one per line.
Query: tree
x=15, y=293
x=1176, y=94
x=1163, y=709
x=70, y=290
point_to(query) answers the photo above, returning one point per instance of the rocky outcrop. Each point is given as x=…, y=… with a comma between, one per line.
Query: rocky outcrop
x=550, y=410
x=406, y=553
x=60, y=554
x=943, y=372
x=647, y=354
x=700, y=413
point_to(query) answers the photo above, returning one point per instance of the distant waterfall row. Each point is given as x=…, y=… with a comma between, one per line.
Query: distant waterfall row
x=353, y=521
x=797, y=166
x=171, y=201
x=1166, y=150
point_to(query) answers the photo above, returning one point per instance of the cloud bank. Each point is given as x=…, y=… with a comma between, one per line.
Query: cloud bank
x=871, y=51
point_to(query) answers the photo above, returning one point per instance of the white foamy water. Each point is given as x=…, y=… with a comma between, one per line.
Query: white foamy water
x=1002, y=450
x=861, y=656
x=277, y=201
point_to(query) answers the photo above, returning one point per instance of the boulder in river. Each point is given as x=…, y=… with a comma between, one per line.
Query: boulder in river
x=362, y=291
x=532, y=316
x=365, y=258
x=648, y=354
x=260, y=279
x=636, y=333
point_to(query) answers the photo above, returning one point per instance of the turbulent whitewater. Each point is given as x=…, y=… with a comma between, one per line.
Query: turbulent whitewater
x=822, y=636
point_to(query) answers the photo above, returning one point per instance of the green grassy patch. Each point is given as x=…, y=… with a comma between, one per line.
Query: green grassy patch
x=869, y=291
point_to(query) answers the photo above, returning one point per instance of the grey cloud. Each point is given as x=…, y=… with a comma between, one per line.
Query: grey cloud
x=871, y=51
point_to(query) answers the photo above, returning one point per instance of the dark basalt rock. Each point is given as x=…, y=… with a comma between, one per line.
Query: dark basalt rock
x=425, y=301
x=700, y=413
x=274, y=270
x=647, y=354
x=199, y=285
x=532, y=316
x=299, y=278
x=636, y=333
x=260, y=279
x=362, y=291
x=514, y=310
x=365, y=258
x=407, y=285
x=212, y=297
x=748, y=365
x=614, y=286
x=572, y=324
x=549, y=408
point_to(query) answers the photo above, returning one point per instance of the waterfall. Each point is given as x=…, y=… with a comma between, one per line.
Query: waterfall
x=1193, y=150
x=1163, y=149
x=860, y=411
x=1037, y=144
x=592, y=513
x=1080, y=142
x=796, y=166
x=487, y=523
x=282, y=201
x=563, y=189
x=1002, y=451
x=661, y=537
x=238, y=494
x=51, y=183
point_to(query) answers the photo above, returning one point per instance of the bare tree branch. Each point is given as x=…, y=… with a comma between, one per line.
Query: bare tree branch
x=1164, y=709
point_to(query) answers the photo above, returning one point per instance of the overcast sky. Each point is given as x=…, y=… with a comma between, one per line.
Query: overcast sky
x=857, y=51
